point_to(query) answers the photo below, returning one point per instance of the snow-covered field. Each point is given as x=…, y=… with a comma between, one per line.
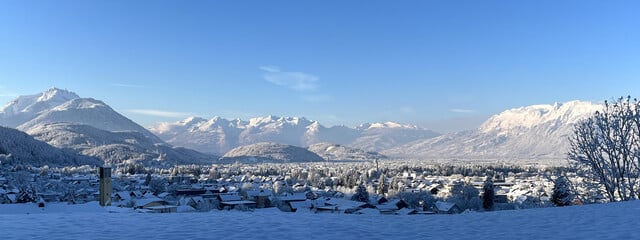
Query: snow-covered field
x=605, y=221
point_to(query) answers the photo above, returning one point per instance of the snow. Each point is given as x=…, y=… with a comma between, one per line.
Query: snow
x=539, y=133
x=530, y=116
x=219, y=135
x=605, y=221
x=390, y=125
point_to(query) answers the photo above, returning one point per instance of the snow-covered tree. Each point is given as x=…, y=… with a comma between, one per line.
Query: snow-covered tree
x=361, y=194
x=465, y=196
x=382, y=185
x=606, y=148
x=562, y=194
x=157, y=186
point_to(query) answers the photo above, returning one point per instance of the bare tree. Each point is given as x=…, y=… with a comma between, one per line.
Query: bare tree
x=605, y=147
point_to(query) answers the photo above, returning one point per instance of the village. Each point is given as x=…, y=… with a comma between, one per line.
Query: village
x=349, y=188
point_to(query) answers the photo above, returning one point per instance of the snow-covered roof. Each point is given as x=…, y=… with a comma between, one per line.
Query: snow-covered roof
x=294, y=197
x=238, y=202
x=444, y=206
x=259, y=193
x=124, y=195
x=144, y=201
x=300, y=204
x=229, y=197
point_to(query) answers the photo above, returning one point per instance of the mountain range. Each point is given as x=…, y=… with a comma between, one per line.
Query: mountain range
x=218, y=135
x=532, y=132
x=90, y=127
x=86, y=129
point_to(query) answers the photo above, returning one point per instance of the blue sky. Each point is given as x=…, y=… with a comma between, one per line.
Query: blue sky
x=444, y=65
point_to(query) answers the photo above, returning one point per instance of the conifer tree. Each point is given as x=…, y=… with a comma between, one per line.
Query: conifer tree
x=562, y=195
x=489, y=194
x=361, y=194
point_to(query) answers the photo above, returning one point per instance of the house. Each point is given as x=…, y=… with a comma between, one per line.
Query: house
x=145, y=203
x=447, y=208
x=381, y=200
x=406, y=211
x=233, y=200
x=391, y=207
x=307, y=205
x=229, y=197
x=235, y=204
x=347, y=206
x=163, y=209
x=368, y=211
x=190, y=191
x=261, y=197
x=122, y=196
x=296, y=197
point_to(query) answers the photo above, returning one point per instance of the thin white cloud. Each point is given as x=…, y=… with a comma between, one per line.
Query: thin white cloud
x=270, y=68
x=459, y=110
x=298, y=81
x=125, y=85
x=159, y=113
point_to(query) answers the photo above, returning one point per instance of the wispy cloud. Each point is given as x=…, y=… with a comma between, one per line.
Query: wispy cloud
x=125, y=85
x=159, y=113
x=270, y=68
x=298, y=81
x=459, y=110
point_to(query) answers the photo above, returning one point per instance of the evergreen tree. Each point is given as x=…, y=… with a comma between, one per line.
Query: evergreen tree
x=382, y=185
x=562, y=195
x=489, y=194
x=361, y=194
x=147, y=179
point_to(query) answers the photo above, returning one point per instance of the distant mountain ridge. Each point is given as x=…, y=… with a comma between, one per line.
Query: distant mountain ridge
x=532, y=132
x=115, y=147
x=330, y=152
x=219, y=135
x=269, y=152
x=17, y=147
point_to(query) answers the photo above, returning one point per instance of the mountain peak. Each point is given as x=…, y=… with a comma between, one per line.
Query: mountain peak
x=387, y=125
x=192, y=119
x=530, y=116
x=25, y=108
x=57, y=94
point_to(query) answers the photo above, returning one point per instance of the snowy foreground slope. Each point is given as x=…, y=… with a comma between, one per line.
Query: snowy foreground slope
x=603, y=221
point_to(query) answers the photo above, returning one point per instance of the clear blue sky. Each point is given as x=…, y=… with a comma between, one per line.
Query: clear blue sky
x=444, y=65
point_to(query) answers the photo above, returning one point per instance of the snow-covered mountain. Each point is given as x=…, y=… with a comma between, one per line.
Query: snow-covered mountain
x=330, y=151
x=57, y=105
x=115, y=147
x=538, y=131
x=219, y=135
x=17, y=147
x=25, y=108
x=269, y=152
